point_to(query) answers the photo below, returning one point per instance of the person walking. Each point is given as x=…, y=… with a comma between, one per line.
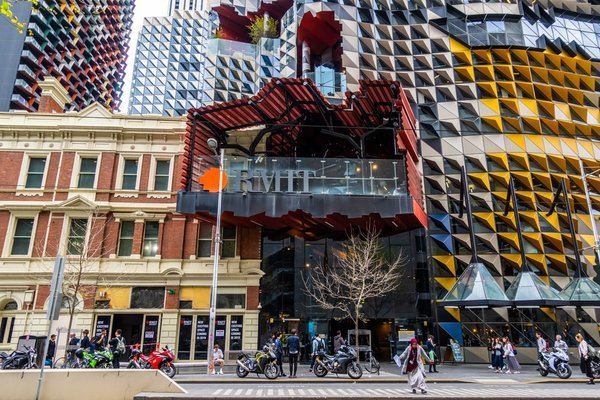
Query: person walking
x=117, y=347
x=412, y=365
x=585, y=357
x=561, y=345
x=497, y=353
x=317, y=345
x=51, y=350
x=279, y=353
x=338, y=342
x=509, y=355
x=293, y=343
x=541, y=344
x=430, y=348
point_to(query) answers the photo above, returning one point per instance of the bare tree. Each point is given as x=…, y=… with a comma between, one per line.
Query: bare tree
x=361, y=272
x=84, y=249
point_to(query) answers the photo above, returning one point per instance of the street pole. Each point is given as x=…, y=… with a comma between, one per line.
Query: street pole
x=590, y=210
x=215, y=277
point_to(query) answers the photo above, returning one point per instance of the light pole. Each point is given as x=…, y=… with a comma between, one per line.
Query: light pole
x=213, y=144
x=591, y=211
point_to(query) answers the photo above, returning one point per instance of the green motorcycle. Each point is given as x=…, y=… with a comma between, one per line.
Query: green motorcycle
x=98, y=359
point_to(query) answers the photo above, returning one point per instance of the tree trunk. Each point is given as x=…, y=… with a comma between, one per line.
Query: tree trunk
x=356, y=323
x=70, y=325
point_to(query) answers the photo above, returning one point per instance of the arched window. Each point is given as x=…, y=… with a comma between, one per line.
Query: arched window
x=10, y=306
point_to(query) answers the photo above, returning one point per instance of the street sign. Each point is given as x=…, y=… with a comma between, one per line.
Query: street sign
x=55, y=300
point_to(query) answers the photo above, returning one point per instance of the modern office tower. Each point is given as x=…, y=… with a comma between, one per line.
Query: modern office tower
x=185, y=5
x=82, y=44
x=168, y=72
x=508, y=90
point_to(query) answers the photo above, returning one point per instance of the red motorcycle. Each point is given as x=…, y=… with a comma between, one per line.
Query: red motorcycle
x=162, y=360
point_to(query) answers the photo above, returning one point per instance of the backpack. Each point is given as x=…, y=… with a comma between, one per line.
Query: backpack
x=121, y=345
x=514, y=349
x=320, y=344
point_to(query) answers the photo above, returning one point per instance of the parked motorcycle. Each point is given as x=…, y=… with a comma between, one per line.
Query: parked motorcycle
x=595, y=365
x=162, y=360
x=98, y=359
x=556, y=362
x=344, y=361
x=263, y=362
x=19, y=359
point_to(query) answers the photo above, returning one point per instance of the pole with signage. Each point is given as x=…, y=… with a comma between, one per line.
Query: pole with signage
x=53, y=312
x=212, y=143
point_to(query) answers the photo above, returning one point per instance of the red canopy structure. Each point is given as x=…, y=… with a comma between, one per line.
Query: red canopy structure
x=291, y=114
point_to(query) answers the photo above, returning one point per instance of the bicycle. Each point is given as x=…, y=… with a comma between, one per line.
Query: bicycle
x=67, y=362
x=371, y=364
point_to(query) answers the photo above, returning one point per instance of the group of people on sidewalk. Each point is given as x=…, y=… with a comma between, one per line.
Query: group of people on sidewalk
x=504, y=353
x=116, y=345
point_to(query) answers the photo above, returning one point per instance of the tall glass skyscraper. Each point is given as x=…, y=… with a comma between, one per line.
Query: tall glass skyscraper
x=82, y=44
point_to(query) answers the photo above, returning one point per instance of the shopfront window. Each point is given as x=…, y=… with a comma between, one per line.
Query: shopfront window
x=184, y=347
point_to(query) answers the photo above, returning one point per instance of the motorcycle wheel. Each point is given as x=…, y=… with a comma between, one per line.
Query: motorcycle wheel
x=354, y=371
x=241, y=372
x=543, y=372
x=320, y=371
x=132, y=365
x=168, y=369
x=271, y=371
x=564, y=371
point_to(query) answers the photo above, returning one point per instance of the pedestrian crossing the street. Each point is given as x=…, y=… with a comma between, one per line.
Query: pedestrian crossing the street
x=445, y=392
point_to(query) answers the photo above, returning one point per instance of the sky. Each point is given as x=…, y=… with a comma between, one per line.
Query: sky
x=143, y=9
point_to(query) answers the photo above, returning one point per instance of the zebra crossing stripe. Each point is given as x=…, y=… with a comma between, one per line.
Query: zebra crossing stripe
x=217, y=392
x=248, y=392
x=227, y=392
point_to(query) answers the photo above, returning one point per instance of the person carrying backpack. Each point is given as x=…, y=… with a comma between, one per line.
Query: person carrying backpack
x=318, y=345
x=117, y=346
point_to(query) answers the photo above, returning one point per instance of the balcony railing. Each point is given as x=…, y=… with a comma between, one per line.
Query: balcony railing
x=328, y=176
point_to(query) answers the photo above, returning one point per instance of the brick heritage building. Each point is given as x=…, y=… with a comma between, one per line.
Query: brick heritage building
x=100, y=188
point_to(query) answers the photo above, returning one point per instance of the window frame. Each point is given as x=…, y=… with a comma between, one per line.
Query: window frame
x=121, y=237
x=12, y=226
x=68, y=234
x=200, y=238
x=235, y=240
x=121, y=172
x=144, y=239
x=24, y=174
x=14, y=236
x=153, y=169
x=77, y=167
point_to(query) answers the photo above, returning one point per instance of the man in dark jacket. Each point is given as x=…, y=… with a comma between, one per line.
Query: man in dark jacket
x=51, y=350
x=293, y=343
x=338, y=341
x=85, y=340
x=279, y=352
x=117, y=346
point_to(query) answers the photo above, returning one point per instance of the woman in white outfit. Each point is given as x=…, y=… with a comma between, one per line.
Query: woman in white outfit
x=412, y=365
x=585, y=358
x=509, y=355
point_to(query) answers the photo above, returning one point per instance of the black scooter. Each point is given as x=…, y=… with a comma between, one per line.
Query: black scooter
x=19, y=359
x=344, y=361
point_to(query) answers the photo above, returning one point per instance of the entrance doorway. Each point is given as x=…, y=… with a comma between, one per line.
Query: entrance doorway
x=131, y=325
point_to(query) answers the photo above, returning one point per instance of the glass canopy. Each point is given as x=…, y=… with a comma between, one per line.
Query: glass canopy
x=528, y=290
x=476, y=288
x=582, y=291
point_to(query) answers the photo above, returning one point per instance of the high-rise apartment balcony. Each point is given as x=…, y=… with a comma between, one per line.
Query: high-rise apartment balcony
x=24, y=70
x=19, y=101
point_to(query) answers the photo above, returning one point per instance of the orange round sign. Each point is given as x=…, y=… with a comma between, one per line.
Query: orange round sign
x=210, y=180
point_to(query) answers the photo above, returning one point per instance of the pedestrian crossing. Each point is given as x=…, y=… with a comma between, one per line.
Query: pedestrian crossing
x=569, y=391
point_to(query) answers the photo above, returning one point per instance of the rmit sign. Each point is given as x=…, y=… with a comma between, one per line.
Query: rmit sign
x=334, y=176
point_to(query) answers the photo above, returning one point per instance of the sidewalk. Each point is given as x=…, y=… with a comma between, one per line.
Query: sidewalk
x=389, y=373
